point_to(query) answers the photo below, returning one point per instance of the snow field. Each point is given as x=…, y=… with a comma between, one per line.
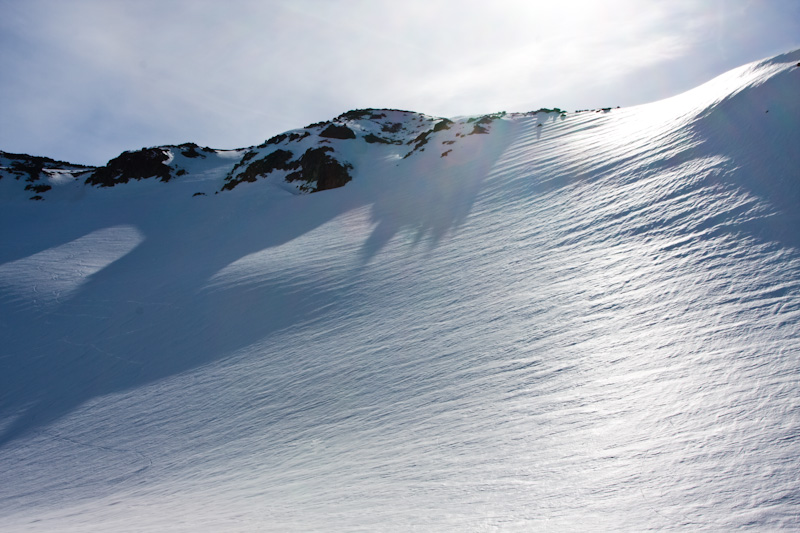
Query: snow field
x=588, y=323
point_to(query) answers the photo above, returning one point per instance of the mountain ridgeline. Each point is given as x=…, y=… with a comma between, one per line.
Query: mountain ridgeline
x=315, y=158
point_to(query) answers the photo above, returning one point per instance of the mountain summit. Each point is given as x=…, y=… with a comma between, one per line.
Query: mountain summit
x=391, y=321
x=310, y=159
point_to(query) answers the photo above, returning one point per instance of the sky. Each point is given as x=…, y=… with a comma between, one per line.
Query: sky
x=84, y=80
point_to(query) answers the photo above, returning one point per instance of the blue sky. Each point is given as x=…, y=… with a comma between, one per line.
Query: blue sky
x=85, y=80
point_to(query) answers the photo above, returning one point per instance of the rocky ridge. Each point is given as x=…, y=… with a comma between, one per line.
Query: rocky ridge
x=311, y=159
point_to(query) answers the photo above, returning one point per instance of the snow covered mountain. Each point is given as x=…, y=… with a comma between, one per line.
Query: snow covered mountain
x=307, y=160
x=391, y=321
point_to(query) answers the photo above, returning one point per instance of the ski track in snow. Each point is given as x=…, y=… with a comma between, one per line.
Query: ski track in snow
x=587, y=323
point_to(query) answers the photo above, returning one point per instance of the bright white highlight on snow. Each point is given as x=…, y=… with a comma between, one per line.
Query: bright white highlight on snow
x=579, y=321
x=55, y=274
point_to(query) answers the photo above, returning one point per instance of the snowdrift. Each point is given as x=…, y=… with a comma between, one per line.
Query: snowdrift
x=390, y=321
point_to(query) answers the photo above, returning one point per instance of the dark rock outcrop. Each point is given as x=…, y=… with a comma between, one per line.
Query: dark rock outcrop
x=190, y=150
x=334, y=131
x=317, y=166
x=145, y=163
x=277, y=160
x=32, y=166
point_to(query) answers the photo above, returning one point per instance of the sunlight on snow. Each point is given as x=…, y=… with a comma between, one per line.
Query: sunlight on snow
x=47, y=277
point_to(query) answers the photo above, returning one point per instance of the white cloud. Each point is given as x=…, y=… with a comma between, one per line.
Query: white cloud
x=83, y=80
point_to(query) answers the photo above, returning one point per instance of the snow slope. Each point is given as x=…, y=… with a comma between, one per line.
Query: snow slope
x=580, y=321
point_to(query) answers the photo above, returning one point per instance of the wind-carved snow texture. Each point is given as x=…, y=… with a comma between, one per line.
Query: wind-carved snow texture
x=580, y=321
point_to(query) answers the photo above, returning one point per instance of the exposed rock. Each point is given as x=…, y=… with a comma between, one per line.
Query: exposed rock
x=145, y=163
x=277, y=139
x=317, y=166
x=422, y=139
x=282, y=137
x=443, y=124
x=190, y=150
x=392, y=127
x=38, y=188
x=311, y=157
x=357, y=114
x=318, y=124
x=32, y=166
x=372, y=138
x=334, y=131
x=277, y=160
